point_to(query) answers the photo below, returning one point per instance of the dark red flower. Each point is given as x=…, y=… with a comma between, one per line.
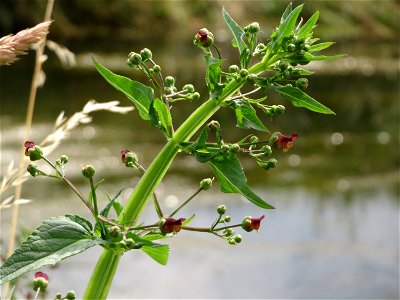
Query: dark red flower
x=28, y=145
x=171, y=225
x=41, y=275
x=250, y=223
x=284, y=142
x=123, y=155
x=204, y=37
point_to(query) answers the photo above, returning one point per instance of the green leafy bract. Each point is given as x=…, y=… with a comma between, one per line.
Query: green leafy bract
x=300, y=99
x=140, y=94
x=237, y=33
x=246, y=115
x=311, y=57
x=288, y=22
x=306, y=30
x=213, y=73
x=232, y=179
x=56, y=239
x=161, y=117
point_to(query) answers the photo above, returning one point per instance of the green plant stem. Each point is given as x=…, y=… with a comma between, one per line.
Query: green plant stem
x=105, y=269
x=186, y=202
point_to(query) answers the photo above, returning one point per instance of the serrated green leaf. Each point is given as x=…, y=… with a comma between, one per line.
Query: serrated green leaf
x=285, y=28
x=246, y=116
x=140, y=94
x=319, y=47
x=54, y=240
x=232, y=179
x=305, y=31
x=164, y=116
x=287, y=12
x=236, y=31
x=300, y=99
x=311, y=57
x=213, y=72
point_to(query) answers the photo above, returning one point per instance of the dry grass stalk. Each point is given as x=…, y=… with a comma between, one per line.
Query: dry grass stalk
x=13, y=45
x=61, y=130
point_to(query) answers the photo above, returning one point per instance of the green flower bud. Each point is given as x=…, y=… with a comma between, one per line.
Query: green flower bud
x=206, y=183
x=151, y=72
x=302, y=83
x=122, y=244
x=274, y=137
x=254, y=139
x=41, y=281
x=221, y=209
x=283, y=65
x=267, y=150
x=32, y=169
x=129, y=242
x=115, y=231
x=156, y=69
x=238, y=238
x=169, y=81
x=234, y=148
x=146, y=54
x=254, y=27
x=134, y=58
x=243, y=73
x=214, y=125
x=128, y=157
x=233, y=69
x=88, y=171
x=227, y=219
x=279, y=109
x=269, y=164
x=225, y=147
x=71, y=295
x=228, y=232
x=231, y=241
x=195, y=96
x=58, y=296
x=188, y=88
x=169, y=90
x=291, y=47
x=204, y=38
x=251, y=78
x=64, y=159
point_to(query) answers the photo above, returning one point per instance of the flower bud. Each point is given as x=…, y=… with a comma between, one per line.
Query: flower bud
x=227, y=219
x=250, y=223
x=233, y=69
x=254, y=27
x=238, y=238
x=291, y=47
x=283, y=65
x=243, y=73
x=115, y=231
x=169, y=81
x=146, y=54
x=251, y=78
x=195, y=96
x=32, y=169
x=228, y=232
x=266, y=149
x=156, y=69
x=41, y=281
x=204, y=38
x=58, y=296
x=33, y=151
x=88, y=171
x=302, y=83
x=269, y=164
x=234, y=148
x=221, y=209
x=64, y=159
x=71, y=295
x=122, y=244
x=206, y=183
x=134, y=58
x=129, y=242
x=278, y=109
x=128, y=157
x=214, y=125
x=231, y=241
x=254, y=139
x=188, y=88
x=170, y=225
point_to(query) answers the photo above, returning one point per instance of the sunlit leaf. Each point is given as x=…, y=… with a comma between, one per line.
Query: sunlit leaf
x=236, y=31
x=56, y=239
x=246, y=115
x=305, y=31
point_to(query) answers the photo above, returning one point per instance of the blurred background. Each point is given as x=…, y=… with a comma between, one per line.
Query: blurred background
x=335, y=230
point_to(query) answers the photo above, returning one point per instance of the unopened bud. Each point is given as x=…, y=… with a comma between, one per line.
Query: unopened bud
x=88, y=171
x=146, y=54
x=302, y=83
x=169, y=81
x=204, y=38
x=33, y=151
x=32, y=169
x=206, y=183
x=269, y=164
x=188, y=88
x=233, y=69
x=221, y=209
x=134, y=58
x=238, y=238
x=214, y=125
x=71, y=295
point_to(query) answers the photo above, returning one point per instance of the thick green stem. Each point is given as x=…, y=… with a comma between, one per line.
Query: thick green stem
x=104, y=271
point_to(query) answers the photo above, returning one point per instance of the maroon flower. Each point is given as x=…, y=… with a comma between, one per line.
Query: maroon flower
x=250, y=223
x=41, y=275
x=171, y=225
x=123, y=155
x=28, y=145
x=204, y=37
x=284, y=142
